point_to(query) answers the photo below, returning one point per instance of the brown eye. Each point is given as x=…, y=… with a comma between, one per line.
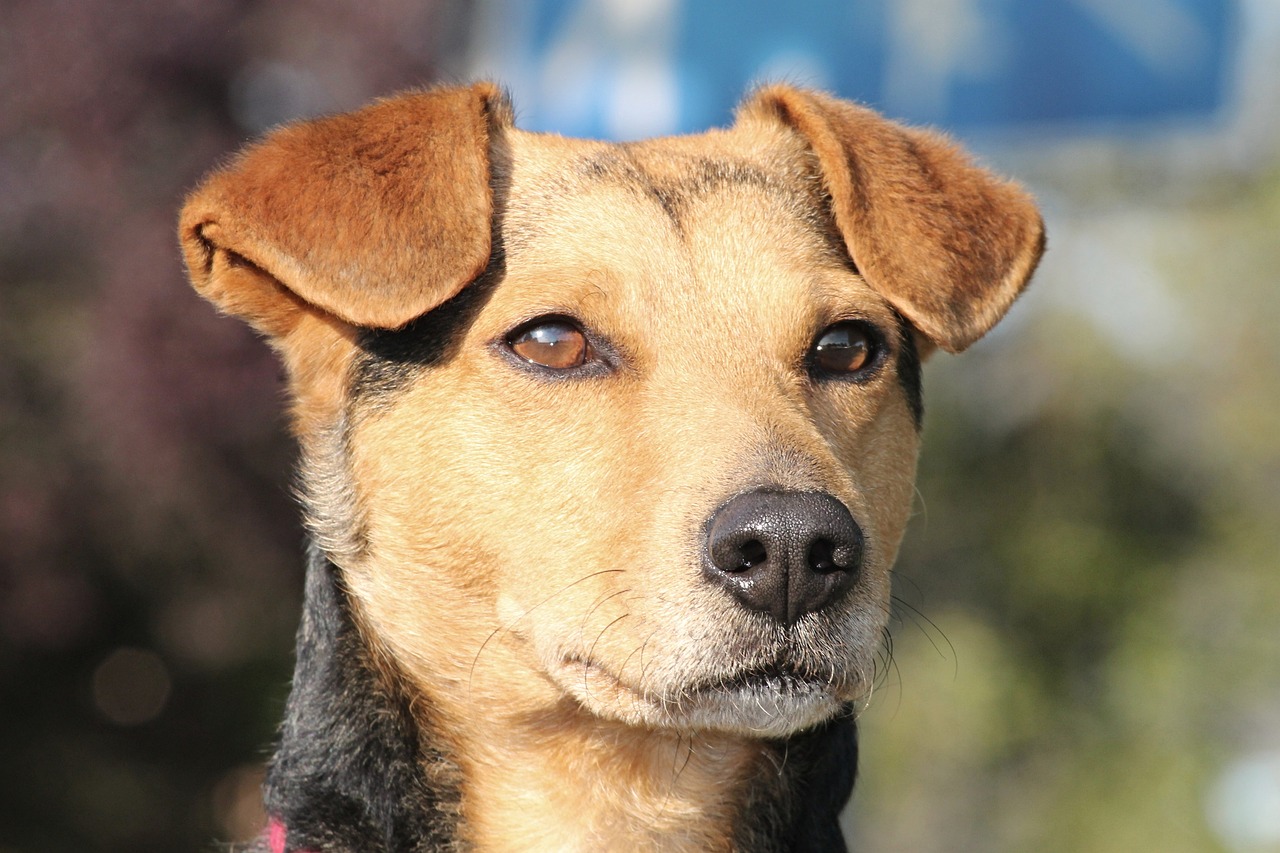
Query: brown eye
x=556, y=344
x=844, y=348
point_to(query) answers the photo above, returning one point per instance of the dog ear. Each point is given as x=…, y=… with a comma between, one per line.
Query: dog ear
x=947, y=243
x=374, y=217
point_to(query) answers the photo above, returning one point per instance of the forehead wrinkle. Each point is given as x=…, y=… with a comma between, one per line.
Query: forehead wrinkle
x=671, y=175
x=545, y=204
x=674, y=180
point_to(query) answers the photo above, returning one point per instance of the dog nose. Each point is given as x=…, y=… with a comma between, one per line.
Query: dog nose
x=784, y=553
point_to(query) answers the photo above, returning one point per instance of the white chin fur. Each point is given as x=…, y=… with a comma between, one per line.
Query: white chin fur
x=770, y=707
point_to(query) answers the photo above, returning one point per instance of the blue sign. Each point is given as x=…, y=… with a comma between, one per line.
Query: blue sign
x=630, y=68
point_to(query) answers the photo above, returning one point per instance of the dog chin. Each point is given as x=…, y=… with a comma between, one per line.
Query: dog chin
x=768, y=708
x=758, y=704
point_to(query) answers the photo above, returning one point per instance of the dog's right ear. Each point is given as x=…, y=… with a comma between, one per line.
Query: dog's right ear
x=372, y=217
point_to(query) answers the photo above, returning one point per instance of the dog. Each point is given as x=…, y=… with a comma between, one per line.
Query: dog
x=607, y=451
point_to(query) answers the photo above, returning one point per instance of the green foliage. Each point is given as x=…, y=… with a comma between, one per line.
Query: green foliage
x=1097, y=555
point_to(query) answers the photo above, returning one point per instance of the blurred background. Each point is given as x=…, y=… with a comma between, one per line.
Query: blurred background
x=1086, y=647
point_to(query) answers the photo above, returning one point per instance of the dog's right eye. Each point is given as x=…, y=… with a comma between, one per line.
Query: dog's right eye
x=556, y=344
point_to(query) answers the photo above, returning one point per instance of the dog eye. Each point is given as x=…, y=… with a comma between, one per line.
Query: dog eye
x=845, y=348
x=556, y=344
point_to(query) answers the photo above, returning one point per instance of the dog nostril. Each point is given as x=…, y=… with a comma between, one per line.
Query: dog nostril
x=822, y=557
x=752, y=553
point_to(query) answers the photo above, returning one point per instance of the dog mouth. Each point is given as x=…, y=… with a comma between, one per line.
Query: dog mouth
x=771, y=700
x=781, y=678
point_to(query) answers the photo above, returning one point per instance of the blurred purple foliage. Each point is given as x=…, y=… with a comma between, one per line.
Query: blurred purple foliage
x=149, y=549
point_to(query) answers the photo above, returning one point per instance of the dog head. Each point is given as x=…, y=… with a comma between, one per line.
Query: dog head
x=624, y=428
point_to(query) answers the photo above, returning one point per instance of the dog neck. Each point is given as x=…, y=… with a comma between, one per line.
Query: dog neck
x=362, y=766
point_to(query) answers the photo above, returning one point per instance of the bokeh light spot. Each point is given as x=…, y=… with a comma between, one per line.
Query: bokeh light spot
x=131, y=686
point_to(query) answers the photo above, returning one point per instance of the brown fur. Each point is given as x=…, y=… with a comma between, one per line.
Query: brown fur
x=525, y=551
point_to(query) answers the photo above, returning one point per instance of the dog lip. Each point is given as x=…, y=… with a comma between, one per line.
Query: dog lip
x=779, y=678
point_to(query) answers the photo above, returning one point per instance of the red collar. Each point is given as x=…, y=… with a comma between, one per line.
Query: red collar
x=276, y=835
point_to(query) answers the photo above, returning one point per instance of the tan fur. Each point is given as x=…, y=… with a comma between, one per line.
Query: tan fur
x=530, y=549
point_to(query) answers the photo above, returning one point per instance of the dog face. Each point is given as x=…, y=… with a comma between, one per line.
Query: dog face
x=570, y=506
x=628, y=430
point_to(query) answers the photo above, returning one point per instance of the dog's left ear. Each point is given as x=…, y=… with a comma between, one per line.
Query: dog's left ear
x=947, y=243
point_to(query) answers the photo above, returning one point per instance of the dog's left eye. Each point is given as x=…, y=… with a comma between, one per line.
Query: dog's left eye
x=555, y=344
x=848, y=348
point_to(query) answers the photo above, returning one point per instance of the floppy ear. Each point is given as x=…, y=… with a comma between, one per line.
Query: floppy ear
x=373, y=217
x=948, y=244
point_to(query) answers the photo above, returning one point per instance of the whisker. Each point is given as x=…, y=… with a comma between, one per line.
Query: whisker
x=506, y=628
x=599, y=602
x=640, y=649
x=586, y=689
x=786, y=754
x=918, y=617
x=688, y=754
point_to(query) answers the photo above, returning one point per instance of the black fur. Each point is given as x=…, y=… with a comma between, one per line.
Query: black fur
x=390, y=358
x=909, y=372
x=796, y=808
x=354, y=772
